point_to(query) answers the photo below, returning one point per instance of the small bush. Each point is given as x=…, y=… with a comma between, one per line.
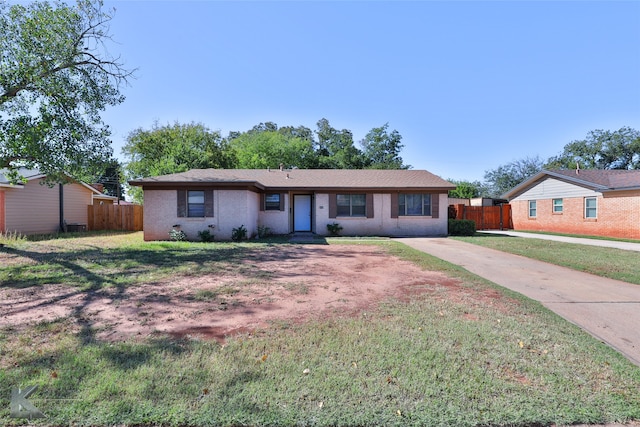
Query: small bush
x=177, y=235
x=239, y=233
x=205, y=236
x=263, y=231
x=461, y=227
x=334, y=228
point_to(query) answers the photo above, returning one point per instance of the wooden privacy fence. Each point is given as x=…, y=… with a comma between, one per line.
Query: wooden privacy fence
x=115, y=217
x=485, y=217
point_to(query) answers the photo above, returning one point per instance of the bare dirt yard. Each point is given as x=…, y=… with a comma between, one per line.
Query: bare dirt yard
x=292, y=284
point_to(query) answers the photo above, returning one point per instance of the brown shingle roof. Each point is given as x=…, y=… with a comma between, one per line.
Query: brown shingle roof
x=610, y=178
x=325, y=179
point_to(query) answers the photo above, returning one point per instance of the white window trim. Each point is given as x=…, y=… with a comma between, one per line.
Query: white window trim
x=553, y=206
x=535, y=208
x=585, y=208
x=189, y=215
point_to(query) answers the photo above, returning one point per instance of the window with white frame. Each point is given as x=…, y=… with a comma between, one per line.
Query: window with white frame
x=590, y=207
x=351, y=204
x=557, y=206
x=533, y=208
x=195, y=203
x=414, y=204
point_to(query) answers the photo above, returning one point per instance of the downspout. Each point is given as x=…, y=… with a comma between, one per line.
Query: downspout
x=61, y=197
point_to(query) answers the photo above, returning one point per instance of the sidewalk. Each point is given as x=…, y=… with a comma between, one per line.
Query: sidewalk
x=607, y=309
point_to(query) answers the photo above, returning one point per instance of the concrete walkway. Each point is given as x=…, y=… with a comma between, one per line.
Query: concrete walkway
x=607, y=309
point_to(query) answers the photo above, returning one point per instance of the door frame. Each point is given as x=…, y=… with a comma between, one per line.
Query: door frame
x=293, y=212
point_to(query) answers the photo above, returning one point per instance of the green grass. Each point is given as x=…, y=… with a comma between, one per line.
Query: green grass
x=606, y=262
x=445, y=357
x=580, y=236
x=94, y=263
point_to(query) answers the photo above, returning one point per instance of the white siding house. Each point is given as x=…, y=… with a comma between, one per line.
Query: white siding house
x=36, y=208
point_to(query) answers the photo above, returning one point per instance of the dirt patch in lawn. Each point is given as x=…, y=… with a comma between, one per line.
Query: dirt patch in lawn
x=289, y=283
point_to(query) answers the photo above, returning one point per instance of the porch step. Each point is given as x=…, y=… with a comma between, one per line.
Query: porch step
x=307, y=237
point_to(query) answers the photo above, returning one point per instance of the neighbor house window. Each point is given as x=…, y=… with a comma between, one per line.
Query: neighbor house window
x=414, y=204
x=351, y=204
x=195, y=203
x=533, y=208
x=557, y=206
x=272, y=202
x=591, y=207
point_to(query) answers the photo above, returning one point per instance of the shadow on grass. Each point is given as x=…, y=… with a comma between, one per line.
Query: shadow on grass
x=91, y=273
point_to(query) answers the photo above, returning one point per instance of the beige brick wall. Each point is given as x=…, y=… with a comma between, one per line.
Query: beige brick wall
x=382, y=224
x=277, y=221
x=232, y=208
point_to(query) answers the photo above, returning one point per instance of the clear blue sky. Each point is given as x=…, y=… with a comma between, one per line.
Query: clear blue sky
x=470, y=86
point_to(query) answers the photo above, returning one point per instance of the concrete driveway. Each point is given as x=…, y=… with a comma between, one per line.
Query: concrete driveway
x=607, y=309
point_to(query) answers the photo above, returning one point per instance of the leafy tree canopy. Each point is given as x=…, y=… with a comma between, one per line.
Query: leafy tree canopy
x=112, y=179
x=270, y=148
x=172, y=149
x=381, y=149
x=505, y=177
x=467, y=189
x=601, y=150
x=56, y=77
x=335, y=149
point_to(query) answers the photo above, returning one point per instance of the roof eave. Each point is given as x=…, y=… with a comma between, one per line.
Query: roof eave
x=620, y=189
x=257, y=185
x=520, y=188
x=104, y=196
x=6, y=185
x=162, y=185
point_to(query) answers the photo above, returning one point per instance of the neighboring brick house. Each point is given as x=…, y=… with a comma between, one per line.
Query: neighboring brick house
x=35, y=208
x=589, y=202
x=363, y=202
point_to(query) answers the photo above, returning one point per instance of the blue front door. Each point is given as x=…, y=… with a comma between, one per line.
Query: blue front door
x=302, y=212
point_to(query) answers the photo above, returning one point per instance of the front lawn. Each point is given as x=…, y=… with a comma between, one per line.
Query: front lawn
x=606, y=262
x=463, y=352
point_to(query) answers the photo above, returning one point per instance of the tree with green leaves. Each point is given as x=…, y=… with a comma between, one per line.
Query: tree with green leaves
x=335, y=148
x=56, y=77
x=268, y=148
x=601, y=150
x=505, y=177
x=467, y=189
x=381, y=149
x=172, y=149
x=112, y=179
